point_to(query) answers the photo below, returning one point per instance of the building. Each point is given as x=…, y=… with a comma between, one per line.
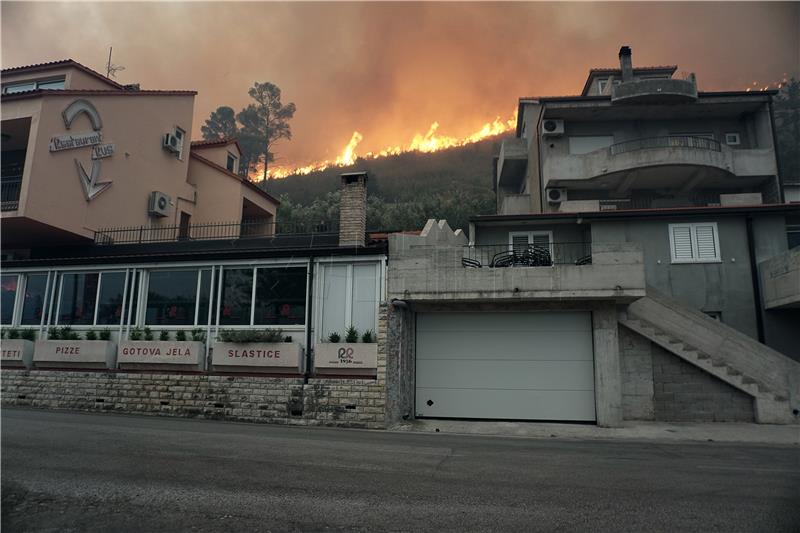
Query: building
x=640, y=266
x=115, y=226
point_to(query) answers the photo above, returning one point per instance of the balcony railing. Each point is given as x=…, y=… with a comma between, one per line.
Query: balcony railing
x=9, y=194
x=247, y=229
x=504, y=255
x=672, y=141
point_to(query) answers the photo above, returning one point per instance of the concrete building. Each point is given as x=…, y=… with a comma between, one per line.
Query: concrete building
x=141, y=273
x=640, y=266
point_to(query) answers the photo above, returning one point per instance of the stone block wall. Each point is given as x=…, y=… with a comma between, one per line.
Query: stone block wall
x=330, y=401
x=658, y=385
x=400, y=376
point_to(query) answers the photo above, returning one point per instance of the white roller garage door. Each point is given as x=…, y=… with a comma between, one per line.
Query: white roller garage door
x=524, y=366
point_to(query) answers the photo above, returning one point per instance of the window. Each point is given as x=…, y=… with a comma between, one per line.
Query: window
x=19, y=87
x=602, y=84
x=76, y=305
x=732, y=139
x=348, y=295
x=109, y=302
x=694, y=243
x=178, y=297
x=231, y=163
x=280, y=296
x=8, y=297
x=793, y=235
x=180, y=135
x=237, y=297
x=34, y=300
x=522, y=240
x=589, y=143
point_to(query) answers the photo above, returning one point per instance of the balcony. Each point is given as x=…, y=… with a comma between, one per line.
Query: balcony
x=666, y=90
x=9, y=193
x=640, y=163
x=780, y=277
x=516, y=204
x=512, y=162
x=560, y=271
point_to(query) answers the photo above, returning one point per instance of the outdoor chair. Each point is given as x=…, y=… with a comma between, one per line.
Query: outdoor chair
x=470, y=263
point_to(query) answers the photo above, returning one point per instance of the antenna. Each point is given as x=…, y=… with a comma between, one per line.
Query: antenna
x=111, y=68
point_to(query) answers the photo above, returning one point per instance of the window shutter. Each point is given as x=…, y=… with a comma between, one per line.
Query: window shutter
x=706, y=242
x=541, y=240
x=519, y=243
x=681, y=243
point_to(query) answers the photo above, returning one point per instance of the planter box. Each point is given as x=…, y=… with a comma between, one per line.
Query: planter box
x=17, y=353
x=284, y=357
x=79, y=354
x=164, y=355
x=346, y=358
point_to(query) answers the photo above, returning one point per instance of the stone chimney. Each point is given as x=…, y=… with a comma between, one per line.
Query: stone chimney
x=626, y=63
x=353, y=209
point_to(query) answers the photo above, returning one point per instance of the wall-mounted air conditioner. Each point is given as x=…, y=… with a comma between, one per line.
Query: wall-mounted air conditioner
x=159, y=204
x=172, y=143
x=552, y=127
x=556, y=195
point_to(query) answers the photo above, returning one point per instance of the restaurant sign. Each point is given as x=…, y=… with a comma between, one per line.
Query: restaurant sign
x=100, y=151
x=75, y=140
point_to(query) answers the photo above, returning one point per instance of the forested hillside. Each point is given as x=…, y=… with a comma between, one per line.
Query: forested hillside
x=403, y=190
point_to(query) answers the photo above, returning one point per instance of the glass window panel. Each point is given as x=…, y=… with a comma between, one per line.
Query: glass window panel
x=78, y=298
x=35, y=298
x=7, y=298
x=112, y=287
x=364, y=297
x=171, y=298
x=280, y=296
x=52, y=84
x=205, y=297
x=19, y=87
x=333, y=300
x=133, y=298
x=237, y=295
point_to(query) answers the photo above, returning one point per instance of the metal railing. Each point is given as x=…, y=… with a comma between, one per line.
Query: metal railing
x=671, y=141
x=207, y=231
x=9, y=194
x=504, y=255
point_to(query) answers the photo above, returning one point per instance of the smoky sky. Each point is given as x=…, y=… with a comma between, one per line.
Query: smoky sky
x=390, y=69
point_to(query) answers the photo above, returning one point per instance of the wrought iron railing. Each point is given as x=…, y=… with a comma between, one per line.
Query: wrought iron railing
x=533, y=255
x=246, y=229
x=9, y=194
x=671, y=141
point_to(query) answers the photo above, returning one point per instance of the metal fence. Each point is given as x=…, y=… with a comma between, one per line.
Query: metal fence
x=671, y=141
x=503, y=255
x=9, y=194
x=207, y=231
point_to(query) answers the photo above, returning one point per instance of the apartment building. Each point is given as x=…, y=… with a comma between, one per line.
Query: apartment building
x=641, y=265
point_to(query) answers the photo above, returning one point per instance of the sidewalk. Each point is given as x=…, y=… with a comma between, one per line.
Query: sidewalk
x=660, y=431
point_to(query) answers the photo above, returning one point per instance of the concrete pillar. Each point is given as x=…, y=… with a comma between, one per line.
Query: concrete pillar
x=607, y=375
x=353, y=209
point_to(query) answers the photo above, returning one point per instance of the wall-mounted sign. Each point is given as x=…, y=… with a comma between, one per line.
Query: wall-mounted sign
x=100, y=151
x=92, y=186
x=75, y=140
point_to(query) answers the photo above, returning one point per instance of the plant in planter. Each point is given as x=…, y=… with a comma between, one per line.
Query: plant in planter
x=91, y=335
x=148, y=334
x=65, y=347
x=18, y=347
x=28, y=334
x=250, y=336
x=368, y=336
x=267, y=349
x=198, y=335
x=148, y=348
x=52, y=334
x=105, y=334
x=13, y=333
x=164, y=335
x=351, y=335
x=334, y=337
x=180, y=336
x=135, y=334
x=66, y=334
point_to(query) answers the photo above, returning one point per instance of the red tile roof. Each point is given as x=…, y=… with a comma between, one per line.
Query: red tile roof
x=91, y=92
x=62, y=63
x=199, y=145
x=230, y=174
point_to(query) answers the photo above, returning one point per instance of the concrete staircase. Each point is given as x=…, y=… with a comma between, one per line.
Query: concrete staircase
x=772, y=379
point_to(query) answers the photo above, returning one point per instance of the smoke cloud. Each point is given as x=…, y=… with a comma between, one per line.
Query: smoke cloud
x=389, y=70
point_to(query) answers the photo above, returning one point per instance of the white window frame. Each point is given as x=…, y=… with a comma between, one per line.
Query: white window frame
x=16, y=308
x=693, y=233
x=94, y=324
x=603, y=83
x=35, y=83
x=530, y=235
x=733, y=138
x=235, y=168
x=144, y=293
x=255, y=269
x=182, y=136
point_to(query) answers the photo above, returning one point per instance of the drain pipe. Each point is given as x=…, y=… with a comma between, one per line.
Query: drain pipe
x=756, y=278
x=309, y=316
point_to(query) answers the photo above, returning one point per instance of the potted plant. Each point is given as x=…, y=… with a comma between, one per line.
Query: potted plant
x=267, y=350
x=17, y=348
x=142, y=350
x=65, y=348
x=348, y=357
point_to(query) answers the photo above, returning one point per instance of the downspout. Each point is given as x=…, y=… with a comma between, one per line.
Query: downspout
x=775, y=149
x=756, y=279
x=309, y=321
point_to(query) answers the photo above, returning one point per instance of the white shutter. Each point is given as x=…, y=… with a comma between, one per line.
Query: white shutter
x=519, y=242
x=681, y=242
x=706, y=238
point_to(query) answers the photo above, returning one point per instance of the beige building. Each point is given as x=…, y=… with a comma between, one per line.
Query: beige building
x=82, y=153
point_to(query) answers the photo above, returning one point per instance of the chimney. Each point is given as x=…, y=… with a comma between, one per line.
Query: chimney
x=625, y=63
x=353, y=209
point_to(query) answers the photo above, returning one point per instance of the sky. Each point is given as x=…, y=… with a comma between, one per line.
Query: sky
x=388, y=70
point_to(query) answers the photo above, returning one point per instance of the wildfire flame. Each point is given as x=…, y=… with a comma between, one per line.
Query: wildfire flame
x=778, y=84
x=430, y=141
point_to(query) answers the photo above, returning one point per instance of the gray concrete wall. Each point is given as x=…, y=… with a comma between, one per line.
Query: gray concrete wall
x=636, y=363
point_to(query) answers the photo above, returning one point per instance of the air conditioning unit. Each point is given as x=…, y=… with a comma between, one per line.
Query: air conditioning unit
x=159, y=204
x=172, y=143
x=552, y=127
x=556, y=196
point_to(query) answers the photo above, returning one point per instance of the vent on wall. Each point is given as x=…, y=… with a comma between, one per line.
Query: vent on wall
x=159, y=205
x=552, y=127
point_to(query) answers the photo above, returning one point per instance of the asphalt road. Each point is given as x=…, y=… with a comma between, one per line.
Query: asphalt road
x=94, y=472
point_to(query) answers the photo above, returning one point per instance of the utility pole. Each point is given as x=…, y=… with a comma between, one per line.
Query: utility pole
x=112, y=69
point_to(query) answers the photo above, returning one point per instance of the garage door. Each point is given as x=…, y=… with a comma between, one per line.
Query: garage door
x=525, y=366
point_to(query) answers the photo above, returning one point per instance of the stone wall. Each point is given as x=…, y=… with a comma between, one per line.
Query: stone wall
x=657, y=385
x=400, y=377
x=330, y=401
